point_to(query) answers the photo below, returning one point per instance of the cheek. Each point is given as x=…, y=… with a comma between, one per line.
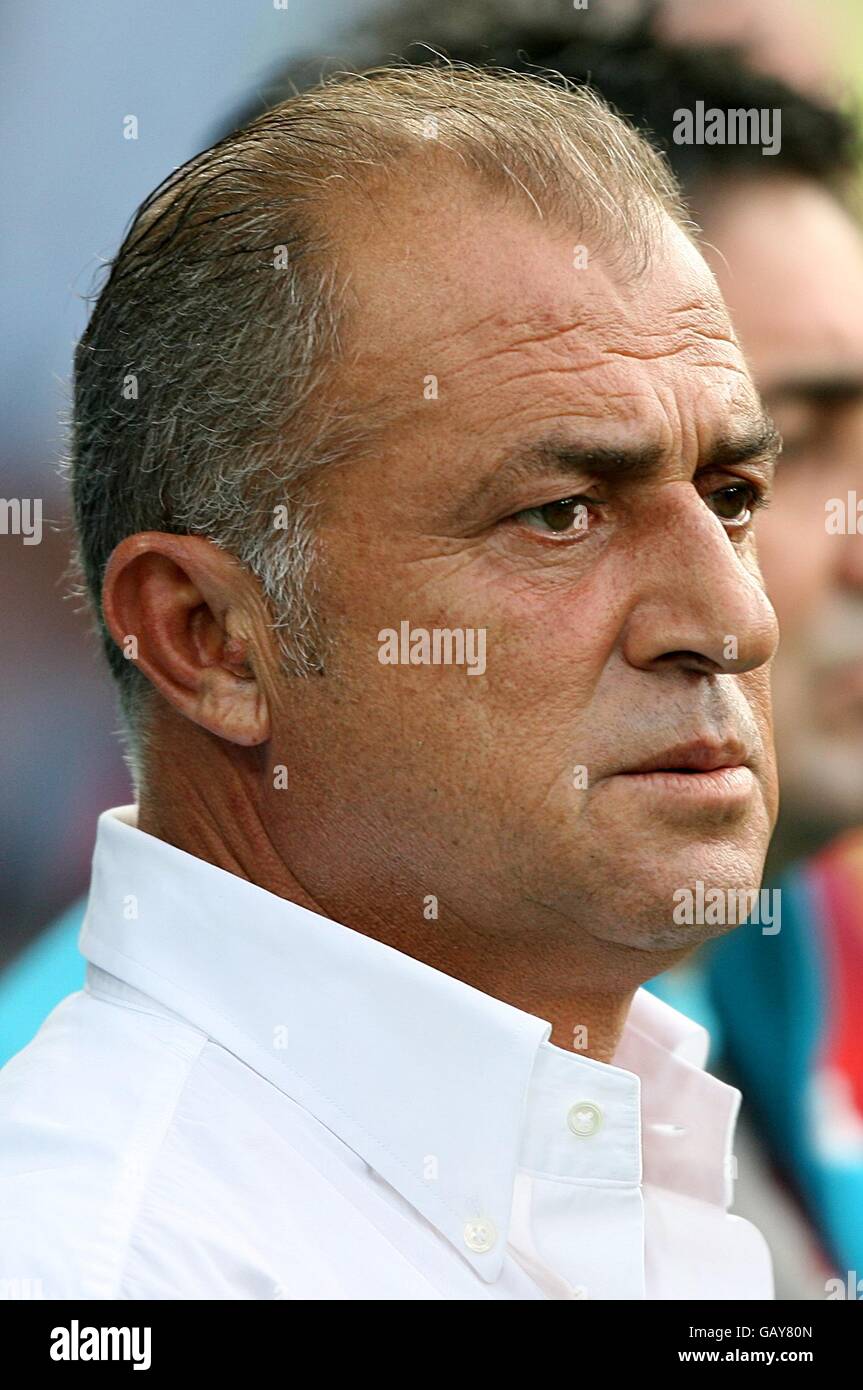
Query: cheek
x=556, y=638
x=550, y=630
x=758, y=688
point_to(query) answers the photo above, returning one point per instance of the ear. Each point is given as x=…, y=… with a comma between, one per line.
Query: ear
x=194, y=621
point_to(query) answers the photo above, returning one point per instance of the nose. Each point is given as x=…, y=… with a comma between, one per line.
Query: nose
x=700, y=603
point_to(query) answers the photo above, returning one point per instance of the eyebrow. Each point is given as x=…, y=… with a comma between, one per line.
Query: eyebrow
x=634, y=463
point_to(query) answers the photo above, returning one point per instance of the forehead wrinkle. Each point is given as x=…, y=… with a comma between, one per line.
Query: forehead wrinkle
x=546, y=369
x=500, y=350
x=604, y=361
x=549, y=333
x=665, y=354
x=470, y=360
x=577, y=363
x=675, y=341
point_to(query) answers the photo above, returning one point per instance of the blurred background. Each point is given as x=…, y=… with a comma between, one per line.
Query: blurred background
x=73, y=76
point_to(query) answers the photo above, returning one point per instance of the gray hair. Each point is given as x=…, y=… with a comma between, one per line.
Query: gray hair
x=206, y=383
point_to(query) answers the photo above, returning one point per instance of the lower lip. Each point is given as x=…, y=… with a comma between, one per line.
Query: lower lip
x=721, y=784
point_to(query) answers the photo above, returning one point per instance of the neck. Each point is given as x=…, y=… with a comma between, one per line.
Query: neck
x=212, y=808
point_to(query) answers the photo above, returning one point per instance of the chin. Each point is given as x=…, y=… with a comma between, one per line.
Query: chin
x=646, y=932
x=673, y=900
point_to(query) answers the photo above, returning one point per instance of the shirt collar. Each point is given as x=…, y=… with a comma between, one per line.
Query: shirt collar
x=426, y=1078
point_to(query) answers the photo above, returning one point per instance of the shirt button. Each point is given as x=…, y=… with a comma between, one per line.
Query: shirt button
x=579, y=1291
x=584, y=1118
x=480, y=1235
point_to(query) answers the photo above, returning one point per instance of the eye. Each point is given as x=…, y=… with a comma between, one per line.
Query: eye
x=735, y=504
x=568, y=516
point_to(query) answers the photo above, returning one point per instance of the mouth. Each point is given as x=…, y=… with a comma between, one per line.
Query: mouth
x=702, y=770
x=698, y=756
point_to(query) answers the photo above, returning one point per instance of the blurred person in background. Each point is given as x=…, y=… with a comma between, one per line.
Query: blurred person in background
x=788, y=256
x=788, y=38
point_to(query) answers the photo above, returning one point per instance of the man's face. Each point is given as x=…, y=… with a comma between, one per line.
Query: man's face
x=510, y=795
x=791, y=269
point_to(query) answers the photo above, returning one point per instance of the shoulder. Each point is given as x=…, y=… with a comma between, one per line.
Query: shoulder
x=140, y=1159
x=84, y=1112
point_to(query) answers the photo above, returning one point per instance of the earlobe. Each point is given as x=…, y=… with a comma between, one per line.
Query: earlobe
x=231, y=707
x=186, y=612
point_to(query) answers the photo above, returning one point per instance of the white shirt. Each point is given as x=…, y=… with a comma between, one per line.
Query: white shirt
x=248, y=1100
